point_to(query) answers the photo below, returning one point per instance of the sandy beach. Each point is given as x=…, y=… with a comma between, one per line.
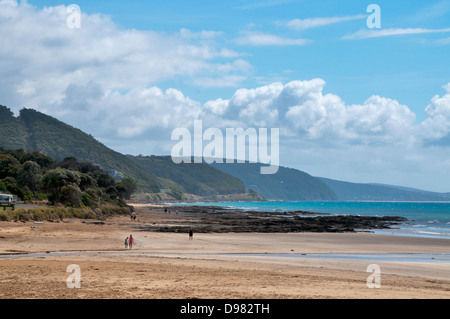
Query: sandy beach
x=167, y=265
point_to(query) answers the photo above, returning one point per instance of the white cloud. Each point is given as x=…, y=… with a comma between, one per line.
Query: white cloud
x=380, y=120
x=302, y=110
x=204, y=34
x=225, y=81
x=443, y=41
x=40, y=57
x=227, y=53
x=437, y=124
x=135, y=116
x=303, y=24
x=254, y=38
x=364, y=34
x=104, y=79
x=217, y=107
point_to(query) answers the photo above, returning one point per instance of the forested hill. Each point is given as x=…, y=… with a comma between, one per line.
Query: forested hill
x=196, y=178
x=378, y=192
x=35, y=131
x=286, y=184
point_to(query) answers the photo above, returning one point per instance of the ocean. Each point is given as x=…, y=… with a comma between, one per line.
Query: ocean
x=425, y=219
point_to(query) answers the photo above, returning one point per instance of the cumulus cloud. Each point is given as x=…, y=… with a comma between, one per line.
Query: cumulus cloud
x=149, y=109
x=380, y=120
x=101, y=78
x=105, y=75
x=104, y=80
x=41, y=57
x=301, y=109
x=436, y=126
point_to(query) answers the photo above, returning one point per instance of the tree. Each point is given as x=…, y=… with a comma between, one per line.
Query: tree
x=11, y=186
x=86, y=181
x=69, y=162
x=8, y=165
x=28, y=175
x=130, y=186
x=3, y=187
x=44, y=161
x=55, y=179
x=17, y=153
x=103, y=179
x=86, y=167
x=112, y=192
x=71, y=195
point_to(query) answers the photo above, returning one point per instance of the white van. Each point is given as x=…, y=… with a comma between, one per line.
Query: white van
x=7, y=201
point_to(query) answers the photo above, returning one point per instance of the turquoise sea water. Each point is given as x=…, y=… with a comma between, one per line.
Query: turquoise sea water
x=425, y=219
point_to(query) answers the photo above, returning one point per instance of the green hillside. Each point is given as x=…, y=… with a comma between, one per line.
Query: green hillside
x=381, y=192
x=12, y=131
x=35, y=131
x=195, y=178
x=35, y=176
x=287, y=184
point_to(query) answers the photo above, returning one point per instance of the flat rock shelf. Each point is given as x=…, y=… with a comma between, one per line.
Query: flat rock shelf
x=212, y=219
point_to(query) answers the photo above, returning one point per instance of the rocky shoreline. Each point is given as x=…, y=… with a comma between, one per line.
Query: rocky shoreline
x=212, y=219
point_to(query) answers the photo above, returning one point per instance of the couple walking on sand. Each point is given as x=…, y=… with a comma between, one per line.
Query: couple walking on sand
x=129, y=242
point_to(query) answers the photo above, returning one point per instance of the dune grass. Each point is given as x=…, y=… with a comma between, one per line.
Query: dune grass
x=59, y=213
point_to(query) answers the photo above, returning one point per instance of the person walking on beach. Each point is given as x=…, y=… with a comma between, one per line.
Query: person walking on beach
x=131, y=241
x=126, y=243
x=191, y=234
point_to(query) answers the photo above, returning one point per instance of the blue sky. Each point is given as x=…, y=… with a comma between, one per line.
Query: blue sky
x=352, y=103
x=409, y=68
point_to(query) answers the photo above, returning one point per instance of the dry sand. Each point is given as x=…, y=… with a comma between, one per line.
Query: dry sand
x=169, y=265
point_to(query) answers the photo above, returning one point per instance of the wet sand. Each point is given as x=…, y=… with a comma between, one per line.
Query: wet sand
x=167, y=265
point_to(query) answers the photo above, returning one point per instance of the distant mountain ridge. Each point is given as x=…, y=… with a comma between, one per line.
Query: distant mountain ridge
x=196, y=178
x=35, y=131
x=286, y=184
x=381, y=192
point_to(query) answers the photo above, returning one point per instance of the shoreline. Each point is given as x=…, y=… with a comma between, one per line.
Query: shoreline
x=410, y=227
x=213, y=265
x=217, y=219
x=366, y=257
x=299, y=201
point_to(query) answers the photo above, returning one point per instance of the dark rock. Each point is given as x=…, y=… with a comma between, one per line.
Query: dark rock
x=212, y=219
